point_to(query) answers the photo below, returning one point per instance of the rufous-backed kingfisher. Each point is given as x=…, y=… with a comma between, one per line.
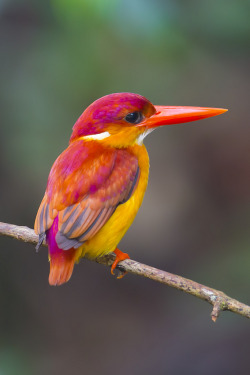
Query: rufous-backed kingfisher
x=96, y=185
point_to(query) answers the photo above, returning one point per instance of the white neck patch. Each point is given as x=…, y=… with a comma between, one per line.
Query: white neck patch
x=142, y=136
x=104, y=135
x=96, y=136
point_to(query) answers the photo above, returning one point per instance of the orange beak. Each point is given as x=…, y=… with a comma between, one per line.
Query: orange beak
x=176, y=115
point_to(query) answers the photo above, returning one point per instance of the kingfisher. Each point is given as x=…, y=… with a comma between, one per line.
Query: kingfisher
x=96, y=186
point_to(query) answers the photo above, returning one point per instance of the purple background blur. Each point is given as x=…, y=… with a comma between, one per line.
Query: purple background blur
x=56, y=58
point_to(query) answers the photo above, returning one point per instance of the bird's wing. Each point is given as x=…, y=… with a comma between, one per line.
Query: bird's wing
x=85, y=186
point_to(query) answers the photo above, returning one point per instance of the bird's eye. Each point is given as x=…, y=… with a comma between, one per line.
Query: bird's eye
x=134, y=117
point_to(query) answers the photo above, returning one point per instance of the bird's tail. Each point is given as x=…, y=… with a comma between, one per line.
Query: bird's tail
x=61, y=261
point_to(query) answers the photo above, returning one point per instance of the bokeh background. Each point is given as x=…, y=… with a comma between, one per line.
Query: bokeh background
x=56, y=58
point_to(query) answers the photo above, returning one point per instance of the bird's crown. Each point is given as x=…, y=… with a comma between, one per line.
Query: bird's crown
x=111, y=114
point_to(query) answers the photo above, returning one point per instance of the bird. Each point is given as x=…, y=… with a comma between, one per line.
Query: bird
x=97, y=184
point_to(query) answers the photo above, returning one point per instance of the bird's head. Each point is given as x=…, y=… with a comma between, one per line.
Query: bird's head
x=122, y=119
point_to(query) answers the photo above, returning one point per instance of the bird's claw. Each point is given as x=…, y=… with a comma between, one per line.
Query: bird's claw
x=119, y=257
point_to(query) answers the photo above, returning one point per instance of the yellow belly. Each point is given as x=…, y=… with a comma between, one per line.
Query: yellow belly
x=107, y=239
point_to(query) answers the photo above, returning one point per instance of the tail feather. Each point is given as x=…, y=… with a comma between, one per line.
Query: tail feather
x=61, y=261
x=61, y=266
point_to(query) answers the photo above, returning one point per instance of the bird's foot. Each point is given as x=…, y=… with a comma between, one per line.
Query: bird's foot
x=119, y=257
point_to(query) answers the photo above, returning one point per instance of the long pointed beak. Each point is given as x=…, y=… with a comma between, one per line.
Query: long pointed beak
x=177, y=115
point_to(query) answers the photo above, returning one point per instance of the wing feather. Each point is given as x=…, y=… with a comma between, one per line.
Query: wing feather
x=43, y=219
x=88, y=193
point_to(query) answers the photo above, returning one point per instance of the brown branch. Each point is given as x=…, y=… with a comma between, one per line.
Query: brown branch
x=218, y=299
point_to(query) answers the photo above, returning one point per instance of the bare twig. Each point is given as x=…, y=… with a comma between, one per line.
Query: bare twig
x=218, y=299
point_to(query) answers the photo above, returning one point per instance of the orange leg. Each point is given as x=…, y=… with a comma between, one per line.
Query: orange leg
x=119, y=257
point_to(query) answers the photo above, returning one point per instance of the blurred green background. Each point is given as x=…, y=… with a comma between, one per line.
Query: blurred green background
x=56, y=58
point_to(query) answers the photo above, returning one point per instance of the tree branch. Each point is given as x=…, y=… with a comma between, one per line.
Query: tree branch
x=218, y=299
